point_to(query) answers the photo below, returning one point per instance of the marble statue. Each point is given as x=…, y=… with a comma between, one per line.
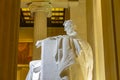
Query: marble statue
x=63, y=57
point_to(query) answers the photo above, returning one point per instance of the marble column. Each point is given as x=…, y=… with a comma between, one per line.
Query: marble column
x=41, y=11
x=40, y=32
x=9, y=26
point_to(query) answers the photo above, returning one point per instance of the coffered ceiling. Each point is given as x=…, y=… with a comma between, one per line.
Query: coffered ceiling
x=54, y=3
x=27, y=20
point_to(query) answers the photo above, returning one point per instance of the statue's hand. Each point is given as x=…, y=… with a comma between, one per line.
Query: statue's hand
x=38, y=43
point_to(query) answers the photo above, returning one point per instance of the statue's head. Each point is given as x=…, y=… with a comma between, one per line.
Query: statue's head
x=67, y=23
x=68, y=27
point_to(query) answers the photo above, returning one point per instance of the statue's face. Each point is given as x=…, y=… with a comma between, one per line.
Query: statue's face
x=67, y=23
x=68, y=27
x=70, y=31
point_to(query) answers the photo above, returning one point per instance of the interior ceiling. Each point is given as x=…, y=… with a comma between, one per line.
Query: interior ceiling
x=27, y=20
x=54, y=3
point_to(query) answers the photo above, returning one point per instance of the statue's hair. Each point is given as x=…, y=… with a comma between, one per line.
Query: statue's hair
x=67, y=22
x=68, y=27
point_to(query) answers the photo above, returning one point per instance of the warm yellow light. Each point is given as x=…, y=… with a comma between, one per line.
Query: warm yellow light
x=53, y=14
x=25, y=9
x=53, y=18
x=26, y=18
x=27, y=21
x=56, y=14
x=53, y=9
x=61, y=18
x=26, y=14
x=57, y=9
x=61, y=9
x=61, y=14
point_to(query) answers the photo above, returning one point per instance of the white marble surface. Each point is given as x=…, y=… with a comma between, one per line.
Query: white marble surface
x=63, y=52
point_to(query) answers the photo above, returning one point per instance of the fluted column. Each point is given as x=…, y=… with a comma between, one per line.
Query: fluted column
x=40, y=31
x=9, y=24
x=41, y=10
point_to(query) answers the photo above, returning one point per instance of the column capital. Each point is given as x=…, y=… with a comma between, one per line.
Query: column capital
x=39, y=6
